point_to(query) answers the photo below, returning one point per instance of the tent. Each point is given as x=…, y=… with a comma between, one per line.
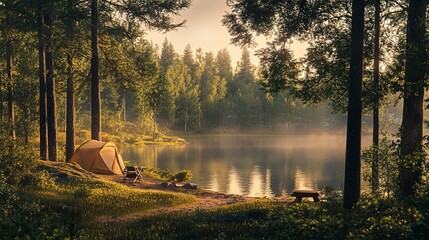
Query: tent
x=99, y=157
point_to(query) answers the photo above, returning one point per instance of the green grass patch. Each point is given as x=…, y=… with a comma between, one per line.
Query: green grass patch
x=59, y=200
x=95, y=197
x=371, y=219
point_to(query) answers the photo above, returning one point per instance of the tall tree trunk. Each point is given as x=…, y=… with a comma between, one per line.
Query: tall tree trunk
x=10, y=97
x=70, y=112
x=9, y=73
x=50, y=94
x=26, y=126
x=1, y=107
x=42, y=83
x=70, y=121
x=154, y=124
x=375, y=108
x=124, y=106
x=354, y=111
x=186, y=116
x=412, y=119
x=95, y=81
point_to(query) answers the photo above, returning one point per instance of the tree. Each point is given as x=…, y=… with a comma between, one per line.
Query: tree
x=212, y=90
x=167, y=55
x=95, y=80
x=8, y=7
x=242, y=92
x=43, y=138
x=354, y=112
x=188, y=102
x=375, y=109
x=167, y=60
x=412, y=119
x=279, y=70
x=70, y=116
x=223, y=63
x=50, y=92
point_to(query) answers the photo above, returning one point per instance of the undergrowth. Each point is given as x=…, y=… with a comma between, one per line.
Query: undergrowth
x=371, y=219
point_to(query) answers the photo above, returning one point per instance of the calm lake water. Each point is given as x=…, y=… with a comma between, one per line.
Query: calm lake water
x=262, y=166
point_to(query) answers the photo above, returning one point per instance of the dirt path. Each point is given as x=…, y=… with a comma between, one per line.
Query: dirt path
x=205, y=199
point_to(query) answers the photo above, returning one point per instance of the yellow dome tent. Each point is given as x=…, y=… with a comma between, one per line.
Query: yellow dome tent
x=99, y=157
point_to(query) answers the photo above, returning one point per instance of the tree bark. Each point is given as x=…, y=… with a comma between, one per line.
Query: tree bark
x=10, y=83
x=26, y=126
x=124, y=106
x=95, y=81
x=42, y=84
x=50, y=94
x=70, y=112
x=154, y=124
x=354, y=111
x=410, y=171
x=375, y=109
x=70, y=121
x=1, y=106
x=186, y=116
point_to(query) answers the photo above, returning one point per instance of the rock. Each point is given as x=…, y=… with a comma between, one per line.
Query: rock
x=190, y=185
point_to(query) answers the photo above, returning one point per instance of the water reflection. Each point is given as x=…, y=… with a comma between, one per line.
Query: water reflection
x=234, y=185
x=304, y=182
x=265, y=166
x=259, y=185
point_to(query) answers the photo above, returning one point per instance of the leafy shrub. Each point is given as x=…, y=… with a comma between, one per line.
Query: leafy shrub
x=163, y=174
x=388, y=165
x=38, y=179
x=16, y=161
x=182, y=176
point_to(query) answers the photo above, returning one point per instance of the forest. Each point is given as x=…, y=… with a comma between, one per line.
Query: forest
x=84, y=69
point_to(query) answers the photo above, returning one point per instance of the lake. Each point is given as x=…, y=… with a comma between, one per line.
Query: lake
x=260, y=166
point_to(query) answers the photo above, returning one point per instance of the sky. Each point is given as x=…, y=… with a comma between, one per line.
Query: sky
x=204, y=30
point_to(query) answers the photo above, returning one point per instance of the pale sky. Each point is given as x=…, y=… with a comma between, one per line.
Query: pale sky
x=204, y=30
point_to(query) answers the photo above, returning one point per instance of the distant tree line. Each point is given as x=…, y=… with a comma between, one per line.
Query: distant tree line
x=203, y=90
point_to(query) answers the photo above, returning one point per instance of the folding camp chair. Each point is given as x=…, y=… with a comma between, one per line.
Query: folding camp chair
x=134, y=173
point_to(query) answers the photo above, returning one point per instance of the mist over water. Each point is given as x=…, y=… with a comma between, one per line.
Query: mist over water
x=252, y=165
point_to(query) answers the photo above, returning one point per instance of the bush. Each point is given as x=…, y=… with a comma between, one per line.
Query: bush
x=16, y=161
x=388, y=165
x=182, y=176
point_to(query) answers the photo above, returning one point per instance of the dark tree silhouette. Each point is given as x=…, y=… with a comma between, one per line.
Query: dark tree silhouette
x=50, y=93
x=42, y=83
x=354, y=111
x=412, y=118
x=375, y=110
x=95, y=80
x=70, y=113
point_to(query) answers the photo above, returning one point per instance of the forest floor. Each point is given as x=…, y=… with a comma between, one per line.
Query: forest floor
x=205, y=199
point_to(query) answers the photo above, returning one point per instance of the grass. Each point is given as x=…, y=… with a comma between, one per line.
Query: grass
x=100, y=197
x=271, y=220
x=59, y=200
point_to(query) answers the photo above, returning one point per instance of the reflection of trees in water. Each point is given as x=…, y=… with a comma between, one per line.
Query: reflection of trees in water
x=264, y=165
x=303, y=182
x=259, y=184
x=235, y=185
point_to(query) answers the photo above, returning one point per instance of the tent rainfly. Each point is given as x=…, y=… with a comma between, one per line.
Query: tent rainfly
x=99, y=157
